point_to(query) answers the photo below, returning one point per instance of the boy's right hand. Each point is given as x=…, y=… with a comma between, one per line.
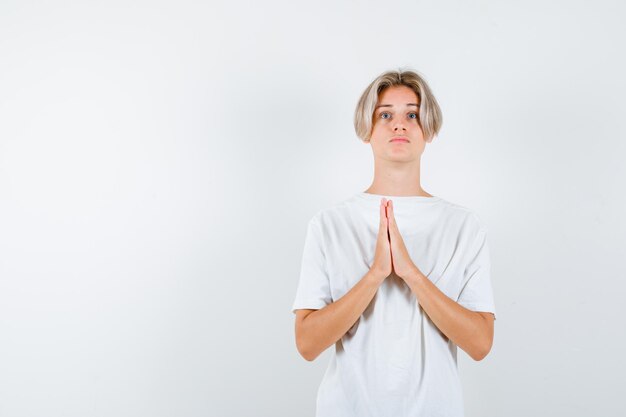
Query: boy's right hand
x=382, y=266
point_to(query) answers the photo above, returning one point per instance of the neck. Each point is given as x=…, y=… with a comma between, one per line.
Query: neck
x=397, y=179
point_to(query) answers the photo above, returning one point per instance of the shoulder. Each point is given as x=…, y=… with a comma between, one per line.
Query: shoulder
x=332, y=213
x=466, y=217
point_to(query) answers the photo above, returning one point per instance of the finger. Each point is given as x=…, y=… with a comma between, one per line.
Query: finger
x=383, y=215
x=390, y=214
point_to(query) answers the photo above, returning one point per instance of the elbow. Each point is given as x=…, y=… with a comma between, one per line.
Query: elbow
x=481, y=352
x=483, y=343
x=306, y=354
x=305, y=351
x=306, y=342
x=479, y=357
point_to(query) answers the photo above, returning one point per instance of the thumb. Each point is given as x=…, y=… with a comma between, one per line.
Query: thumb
x=393, y=227
x=383, y=226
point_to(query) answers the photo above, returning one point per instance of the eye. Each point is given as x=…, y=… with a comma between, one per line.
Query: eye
x=412, y=114
x=383, y=114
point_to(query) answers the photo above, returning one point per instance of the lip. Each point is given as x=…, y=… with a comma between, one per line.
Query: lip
x=399, y=139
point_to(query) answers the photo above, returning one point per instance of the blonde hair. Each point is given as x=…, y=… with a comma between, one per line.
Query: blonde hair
x=430, y=118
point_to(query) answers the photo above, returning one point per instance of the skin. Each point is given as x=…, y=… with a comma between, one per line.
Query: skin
x=396, y=172
x=397, y=165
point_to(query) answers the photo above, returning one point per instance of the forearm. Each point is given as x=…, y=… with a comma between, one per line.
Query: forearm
x=322, y=328
x=464, y=327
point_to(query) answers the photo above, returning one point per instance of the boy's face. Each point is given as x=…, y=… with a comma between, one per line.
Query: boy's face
x=397, y=116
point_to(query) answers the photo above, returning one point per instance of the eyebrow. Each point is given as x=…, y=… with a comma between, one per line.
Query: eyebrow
x=389, y=105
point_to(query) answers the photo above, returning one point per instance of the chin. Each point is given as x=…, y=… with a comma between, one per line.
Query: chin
x=402, y=158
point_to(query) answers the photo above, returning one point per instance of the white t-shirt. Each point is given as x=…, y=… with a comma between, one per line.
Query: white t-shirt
x=394, y=361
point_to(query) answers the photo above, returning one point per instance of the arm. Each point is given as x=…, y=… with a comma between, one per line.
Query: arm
x=472, y=331
x=316, y=330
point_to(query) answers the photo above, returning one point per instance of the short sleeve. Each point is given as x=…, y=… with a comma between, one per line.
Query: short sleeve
x=313, y=290
x=477, y=293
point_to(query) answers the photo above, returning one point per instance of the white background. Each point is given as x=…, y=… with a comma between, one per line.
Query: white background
x=159, y=162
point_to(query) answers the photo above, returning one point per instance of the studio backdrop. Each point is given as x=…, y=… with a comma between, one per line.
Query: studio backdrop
x=159, y=162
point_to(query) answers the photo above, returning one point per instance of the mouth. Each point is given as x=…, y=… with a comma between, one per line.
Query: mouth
x=399, y=139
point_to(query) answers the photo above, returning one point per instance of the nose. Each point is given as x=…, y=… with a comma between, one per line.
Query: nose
x=399, y=126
